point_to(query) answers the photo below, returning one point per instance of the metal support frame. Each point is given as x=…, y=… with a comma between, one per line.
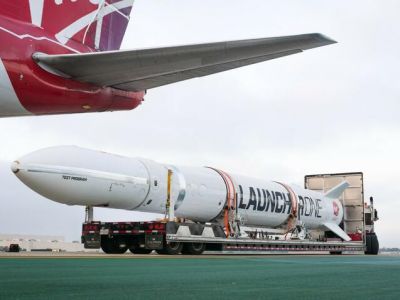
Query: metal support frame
x=88, y=214
x=170, y=205
x=231, y=218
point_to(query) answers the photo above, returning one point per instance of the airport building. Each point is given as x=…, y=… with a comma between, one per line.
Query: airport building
x=40, y=243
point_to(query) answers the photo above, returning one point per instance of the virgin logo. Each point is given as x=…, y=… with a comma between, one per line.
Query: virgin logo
x=335, y=208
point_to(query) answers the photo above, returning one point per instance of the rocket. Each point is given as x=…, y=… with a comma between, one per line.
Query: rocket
x=77, y=176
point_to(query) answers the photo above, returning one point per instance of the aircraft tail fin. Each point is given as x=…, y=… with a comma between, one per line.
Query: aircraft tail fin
x=97, y=24
x=336, y=191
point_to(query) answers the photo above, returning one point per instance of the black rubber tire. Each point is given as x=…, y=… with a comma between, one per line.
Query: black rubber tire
x=193, y=248
x=171, y=248
x=368, y=244
x=112, y=246
x=374, y=245
x=135, y=250
x=161, y=251
x=336, y=252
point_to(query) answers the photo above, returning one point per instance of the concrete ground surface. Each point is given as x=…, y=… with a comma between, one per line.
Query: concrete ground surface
x=98, y=276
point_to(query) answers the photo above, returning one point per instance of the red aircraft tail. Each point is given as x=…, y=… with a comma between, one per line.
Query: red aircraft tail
x=98, y=24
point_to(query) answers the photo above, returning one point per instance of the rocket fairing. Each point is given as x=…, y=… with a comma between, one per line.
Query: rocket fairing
x=78, y=176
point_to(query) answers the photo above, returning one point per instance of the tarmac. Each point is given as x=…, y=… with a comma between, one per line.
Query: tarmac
x=46, y=275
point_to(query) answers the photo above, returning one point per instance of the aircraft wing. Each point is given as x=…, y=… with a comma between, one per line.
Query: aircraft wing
x=139, y=70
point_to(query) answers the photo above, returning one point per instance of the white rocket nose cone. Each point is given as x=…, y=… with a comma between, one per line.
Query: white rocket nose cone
x=77, y=176
x=15, y=166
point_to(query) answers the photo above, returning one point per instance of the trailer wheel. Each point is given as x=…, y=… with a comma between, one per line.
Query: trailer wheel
x=112, y=246
x=171, y=248
x=368, y=244
x=372, y=244
x=136, y=250
x=193, y=248
x=161, y=251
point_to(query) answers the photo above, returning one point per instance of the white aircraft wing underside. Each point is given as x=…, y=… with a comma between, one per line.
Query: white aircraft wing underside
x=138, y=70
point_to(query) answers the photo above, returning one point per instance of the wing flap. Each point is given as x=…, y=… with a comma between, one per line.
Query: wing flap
x=160, y=80
x=136, y=70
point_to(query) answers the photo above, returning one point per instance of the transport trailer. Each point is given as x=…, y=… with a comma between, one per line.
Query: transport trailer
x=181, y=236
x=359, y=217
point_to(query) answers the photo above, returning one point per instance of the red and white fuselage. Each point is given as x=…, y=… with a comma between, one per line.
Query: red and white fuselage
x=54, y=27
x=62, y=56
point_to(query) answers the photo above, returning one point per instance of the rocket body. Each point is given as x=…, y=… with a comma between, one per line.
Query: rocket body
x=77, y=176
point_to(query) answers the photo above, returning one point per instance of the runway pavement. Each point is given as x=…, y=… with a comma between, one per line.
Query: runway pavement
x=154, y=255
x=127, y=276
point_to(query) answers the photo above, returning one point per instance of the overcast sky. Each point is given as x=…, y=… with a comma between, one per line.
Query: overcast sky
x=331, y=109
